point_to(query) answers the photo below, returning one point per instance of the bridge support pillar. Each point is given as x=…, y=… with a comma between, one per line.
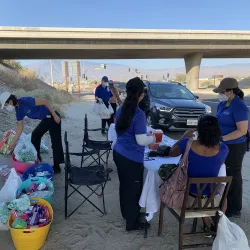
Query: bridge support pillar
x=193, y=62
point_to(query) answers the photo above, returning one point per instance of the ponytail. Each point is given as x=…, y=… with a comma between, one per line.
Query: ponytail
x=134, y=89
x=239, y=93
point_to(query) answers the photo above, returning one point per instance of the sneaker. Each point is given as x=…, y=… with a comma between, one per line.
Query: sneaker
x=57, y=169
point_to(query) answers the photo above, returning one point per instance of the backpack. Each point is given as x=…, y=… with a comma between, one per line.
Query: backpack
x=172, y=191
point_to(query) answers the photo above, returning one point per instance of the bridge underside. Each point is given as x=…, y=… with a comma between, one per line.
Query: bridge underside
x=120, y=49
x=116, y=53
x=191, y=50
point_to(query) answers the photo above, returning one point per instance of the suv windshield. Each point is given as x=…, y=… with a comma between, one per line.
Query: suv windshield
x=170, y=91
x=120, y=86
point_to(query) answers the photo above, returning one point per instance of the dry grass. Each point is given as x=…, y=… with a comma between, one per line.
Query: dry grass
x=24, y=83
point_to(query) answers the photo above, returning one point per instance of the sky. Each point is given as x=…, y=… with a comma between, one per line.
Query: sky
x=143, y=14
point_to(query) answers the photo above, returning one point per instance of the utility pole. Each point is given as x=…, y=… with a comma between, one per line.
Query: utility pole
x=51, y=73
x=66, y=74
x=78, y=72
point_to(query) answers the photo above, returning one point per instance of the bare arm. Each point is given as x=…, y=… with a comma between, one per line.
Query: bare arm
x=239, y=132
x=19, y=131
x=175, y=150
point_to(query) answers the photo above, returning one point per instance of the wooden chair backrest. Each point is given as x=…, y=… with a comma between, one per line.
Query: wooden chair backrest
x=201, y=183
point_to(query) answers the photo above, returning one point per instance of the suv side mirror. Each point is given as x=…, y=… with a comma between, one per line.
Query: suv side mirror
x=197, y=97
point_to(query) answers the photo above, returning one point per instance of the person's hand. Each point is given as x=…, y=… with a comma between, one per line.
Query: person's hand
x=189, y=133
x=57, y=119
x=12, y=146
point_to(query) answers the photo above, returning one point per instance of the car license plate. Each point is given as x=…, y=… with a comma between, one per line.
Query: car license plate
x=192, y=122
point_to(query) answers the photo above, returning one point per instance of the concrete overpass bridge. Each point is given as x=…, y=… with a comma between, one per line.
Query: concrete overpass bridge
x=75, y=43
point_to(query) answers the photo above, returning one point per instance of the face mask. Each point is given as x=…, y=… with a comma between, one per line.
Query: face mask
x=222, y=98
x=10, y=108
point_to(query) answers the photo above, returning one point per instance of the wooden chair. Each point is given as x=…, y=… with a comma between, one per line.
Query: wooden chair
x=198, y=209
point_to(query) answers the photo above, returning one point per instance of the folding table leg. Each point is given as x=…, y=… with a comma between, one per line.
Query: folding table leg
x=66, y=200
x=145, y=227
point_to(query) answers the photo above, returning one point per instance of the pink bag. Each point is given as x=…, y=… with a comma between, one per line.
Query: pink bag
x=172, y=191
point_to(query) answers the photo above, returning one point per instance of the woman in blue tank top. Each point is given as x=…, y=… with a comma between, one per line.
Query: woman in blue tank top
x=206, y=156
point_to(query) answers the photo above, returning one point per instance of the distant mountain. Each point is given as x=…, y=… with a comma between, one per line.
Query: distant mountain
x=120, y=72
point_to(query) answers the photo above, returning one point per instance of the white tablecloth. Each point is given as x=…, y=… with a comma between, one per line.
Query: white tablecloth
x=150, y=197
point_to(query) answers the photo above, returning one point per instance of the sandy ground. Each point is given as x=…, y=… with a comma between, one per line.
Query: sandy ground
x=87, y=228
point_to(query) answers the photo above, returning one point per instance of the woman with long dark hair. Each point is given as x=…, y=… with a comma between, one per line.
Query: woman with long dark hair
x=129, y=152
x=232, y=114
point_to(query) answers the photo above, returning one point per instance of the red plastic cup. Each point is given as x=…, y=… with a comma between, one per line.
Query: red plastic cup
x=158, y=135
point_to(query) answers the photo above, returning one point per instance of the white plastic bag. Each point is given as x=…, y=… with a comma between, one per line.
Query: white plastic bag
x=105, y=112
x=25, y=150
x=97, y=108
x=229, y=236
x=8, y=192
x=43, y=147
x=111, y=109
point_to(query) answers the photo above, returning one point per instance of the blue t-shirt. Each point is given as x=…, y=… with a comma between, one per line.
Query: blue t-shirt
x=104, y=93
x=126, y=144
x=237, y=111
x=203, y=166
x=27, y=107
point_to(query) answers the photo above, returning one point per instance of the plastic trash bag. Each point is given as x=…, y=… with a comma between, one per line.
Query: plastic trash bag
x=43, y=148
x=25, y=150
x=97, y=108
x=111, y=109
x=6, y=142
x=8, y=192
x=4, y=214
x=229, y=236
x=106, y=112
x=20, y=205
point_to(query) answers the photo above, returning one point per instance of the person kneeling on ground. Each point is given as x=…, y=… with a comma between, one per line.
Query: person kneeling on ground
x=40, y=110
x=206, y=156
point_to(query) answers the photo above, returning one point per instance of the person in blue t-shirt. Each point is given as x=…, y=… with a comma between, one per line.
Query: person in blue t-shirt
x=232, y=113
x=103, y=93
x=40, y=110
x=206, y=156
x=129, y=152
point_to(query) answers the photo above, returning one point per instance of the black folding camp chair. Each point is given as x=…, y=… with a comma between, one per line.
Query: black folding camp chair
x=92, y=177
x=94, y=150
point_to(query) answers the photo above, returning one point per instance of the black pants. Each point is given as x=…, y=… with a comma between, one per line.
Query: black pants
x=130, y=175
x=233, y=167
x=48, y=124
x=105, y=121
x=114, y=106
